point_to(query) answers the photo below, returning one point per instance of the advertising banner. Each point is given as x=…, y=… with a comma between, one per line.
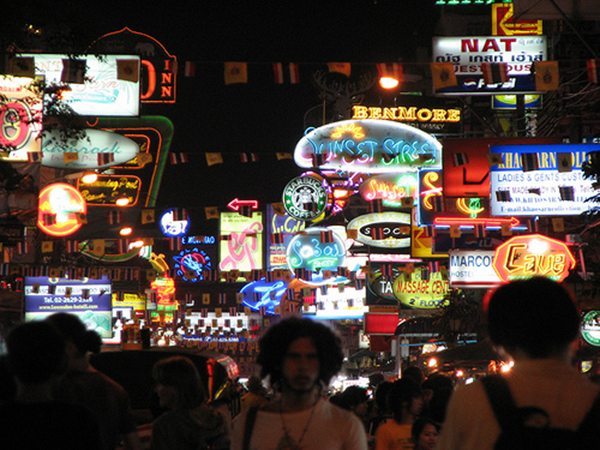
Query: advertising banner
x=241, y=242
x=89, y=299
x=540, y=180
x=283, y=226
x=472, y=268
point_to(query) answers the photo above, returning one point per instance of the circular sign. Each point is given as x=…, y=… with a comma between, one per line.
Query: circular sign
x=191, y=263
x=316, y=249
x=171, y=227
x=590, y=328
x=59, y=209
x=305, y=197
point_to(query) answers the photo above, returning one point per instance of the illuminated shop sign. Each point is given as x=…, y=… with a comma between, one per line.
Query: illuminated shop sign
x=533, y=255
x=467, y=167
x=20, y=118
x=469, y=2
x=97, y=149
x=164, y=287
x=508, y=102
x=472, y=268
x=60, y=207
x=333, y=303
x=130, y=300
x=173, y=226
x=102, y=94
x=89, y=299
x=504, y=22
x=590, y=328
x=467, y=54
x=546, y=190
x=262, y=294
x=419, y=292
x=158, y=69
x=389, y=230
x=316, y=249
x=380, y=284
x=368, y=146
x=190, y=264
x=305, y=197
x=391, y=188
x=240, y=244
x=107, y=189
x=284, y=227
x=421, y=241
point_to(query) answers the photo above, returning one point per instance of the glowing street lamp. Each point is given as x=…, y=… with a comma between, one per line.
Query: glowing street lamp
x=126, y=231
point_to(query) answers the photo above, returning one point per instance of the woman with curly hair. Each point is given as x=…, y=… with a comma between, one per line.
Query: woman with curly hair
x=299, y=357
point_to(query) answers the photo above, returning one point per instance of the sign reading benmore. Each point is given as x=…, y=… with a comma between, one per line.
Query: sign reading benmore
x=406, y=114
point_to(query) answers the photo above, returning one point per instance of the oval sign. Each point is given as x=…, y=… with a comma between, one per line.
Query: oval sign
x=97, y=149
x=305, y=197
x=386, y=230
x=590, y=328
x=316, y=249
x=416, y=291
x=390, y=188
x=368, y=146
x=59, y=208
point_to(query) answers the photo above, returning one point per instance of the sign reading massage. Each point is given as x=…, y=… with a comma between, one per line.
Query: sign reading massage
x=102, y=94
x=467, y=54
x=368, y=146
x=540, y=180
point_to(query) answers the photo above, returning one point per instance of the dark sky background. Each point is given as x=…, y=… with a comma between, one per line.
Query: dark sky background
x=260, y=116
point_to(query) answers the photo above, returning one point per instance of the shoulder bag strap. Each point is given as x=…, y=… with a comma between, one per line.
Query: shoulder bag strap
x=248, y=426
x=501, y=400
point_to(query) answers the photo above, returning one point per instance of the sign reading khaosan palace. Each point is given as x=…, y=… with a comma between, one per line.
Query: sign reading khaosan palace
x=467, y=54
x=540, y=180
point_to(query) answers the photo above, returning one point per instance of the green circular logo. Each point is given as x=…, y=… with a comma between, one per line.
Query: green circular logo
x=590, y=328
x=305, y=198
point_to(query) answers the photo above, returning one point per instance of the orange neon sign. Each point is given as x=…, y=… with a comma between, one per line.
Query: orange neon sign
x=531, y=255
x=64, y=205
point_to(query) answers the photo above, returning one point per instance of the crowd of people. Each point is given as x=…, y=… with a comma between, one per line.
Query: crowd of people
x=54, y=398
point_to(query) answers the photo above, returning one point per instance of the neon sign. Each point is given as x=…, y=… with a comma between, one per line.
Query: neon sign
x=305, y=197
x=241, y=242
x=368, y=146
x=390, y=188
x=590, y=328
x=263, y=294
x=533, y=255
x=236, y=204
x=64, y=204
x=285, y=227
x=171, y=227
x=108, y=188
x=190, y=263
x=165, y=298
x=414, y=291
x=385, y=230
x=308, y=251
x=406, y=114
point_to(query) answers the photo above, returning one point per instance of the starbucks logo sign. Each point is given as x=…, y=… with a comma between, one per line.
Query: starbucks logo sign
x=305, y=198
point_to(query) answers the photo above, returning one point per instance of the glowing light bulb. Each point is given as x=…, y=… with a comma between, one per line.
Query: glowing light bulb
x=89, y=178
x=122, y=201
x=388, y=82
x=126, y=231
x=432, y=363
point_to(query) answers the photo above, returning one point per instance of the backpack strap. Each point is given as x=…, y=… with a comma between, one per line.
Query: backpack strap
x=248, y=426
x=501, y=400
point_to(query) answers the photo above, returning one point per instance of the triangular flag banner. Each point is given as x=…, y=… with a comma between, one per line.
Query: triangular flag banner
x=248, y=157
x=530, y=161
x=211, y=212
x=213, y=158
x=278, y=73
x=558, y=224
x=503, y=196
x=460, y=159
x=338, y=67
x=178, y=158
x=565, y=162
x=47, y=246
x=21, y=67
x=294, y=72
x=73, y=71
x=283, y=155
x=546, y=75
x=105, y=158
x=128, y=70
x=494, y=159
x=189, y=69
x=494, y=73
x=567, y=193
x=34, y=157
x=443, y=76
x=236, y=72
x=114, y=217
x=70, y=157
x=148, y=216
x=593, y=70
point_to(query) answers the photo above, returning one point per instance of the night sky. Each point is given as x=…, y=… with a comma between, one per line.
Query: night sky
x=259, y=117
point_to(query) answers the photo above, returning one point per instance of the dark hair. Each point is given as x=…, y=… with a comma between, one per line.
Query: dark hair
x=413, y=373
x=420, y=424
x=74, y=330
x=355, y=395
x=36, y=352
x=536, y=315
x=401, y=395
x=277, y=339
x=180, y=373
x=381, y=396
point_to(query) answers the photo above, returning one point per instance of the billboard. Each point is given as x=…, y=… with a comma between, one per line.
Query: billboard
x=241, y=242
x=102, y=94
x=467, y=53
x=283, y=226
x=89, y=299
x=472, y=268
x=544, y=180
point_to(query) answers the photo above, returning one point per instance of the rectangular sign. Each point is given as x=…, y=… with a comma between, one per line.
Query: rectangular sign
x=89, y=299
x=348, y=303
x=108, y=188
x=102, y=94
x=381, y=323
x=240, y=245
x=546, y=191
x=284, y=227
x=468, y=52
x=472, y=268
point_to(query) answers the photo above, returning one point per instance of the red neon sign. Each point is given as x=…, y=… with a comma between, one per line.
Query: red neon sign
x=236, y=204
x=64, y=204
x=533, y=255
x=485, y=221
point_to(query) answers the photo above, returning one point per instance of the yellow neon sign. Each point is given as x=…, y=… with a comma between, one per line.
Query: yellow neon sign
x=406, y=114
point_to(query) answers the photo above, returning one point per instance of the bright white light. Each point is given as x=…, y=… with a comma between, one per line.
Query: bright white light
x=538, y=247
x=432, y=363
x=122, y=201
x=89, y=178
x=388, y=82
x=460, y=373
x=126, y=231
x=136, y=244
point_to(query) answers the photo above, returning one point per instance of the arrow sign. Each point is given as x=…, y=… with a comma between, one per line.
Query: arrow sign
x=504, y=24
x=236, y=204
x=485, y=221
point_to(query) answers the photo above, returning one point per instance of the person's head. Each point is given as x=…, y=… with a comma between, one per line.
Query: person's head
x=79, y=339
x=535, y=316
x=355, y=397
x=425, y=433
x=177, y=383
x=413, y=373
x=36, y=352
x=299, y=353
x=405, y=400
